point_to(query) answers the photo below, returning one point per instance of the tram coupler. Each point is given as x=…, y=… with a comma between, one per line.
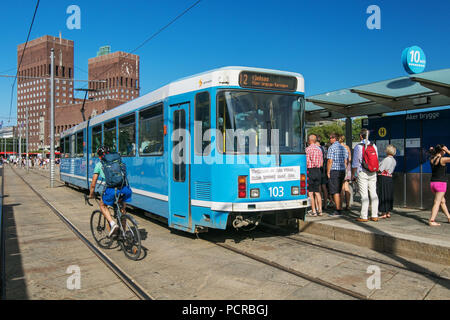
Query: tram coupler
x=200, y=229
x=240, y=222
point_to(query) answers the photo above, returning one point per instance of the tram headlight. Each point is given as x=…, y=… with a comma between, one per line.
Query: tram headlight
x=295, y=191
x=254, y=193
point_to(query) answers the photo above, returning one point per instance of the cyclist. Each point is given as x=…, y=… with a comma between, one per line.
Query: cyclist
x=109, y=194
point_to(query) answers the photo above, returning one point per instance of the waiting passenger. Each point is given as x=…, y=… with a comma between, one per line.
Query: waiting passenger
x=314, y=163
x=438, y=183
x=366, y=179
x=337, y=162
x=324, y=179
x=385, y=183
x=345, y=193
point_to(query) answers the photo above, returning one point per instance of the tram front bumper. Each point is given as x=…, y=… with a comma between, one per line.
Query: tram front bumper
x=253, y=206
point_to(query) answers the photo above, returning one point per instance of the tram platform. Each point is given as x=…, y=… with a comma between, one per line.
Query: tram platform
x=405, y=234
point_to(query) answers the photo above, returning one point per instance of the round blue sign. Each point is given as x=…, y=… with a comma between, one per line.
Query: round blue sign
x=414, y=60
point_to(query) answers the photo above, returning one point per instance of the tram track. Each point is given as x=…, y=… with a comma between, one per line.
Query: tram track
x=135, y=287
x=289, y=270
x=280, y=233
x=346, y=253
x=264, y=261
x=329, y=249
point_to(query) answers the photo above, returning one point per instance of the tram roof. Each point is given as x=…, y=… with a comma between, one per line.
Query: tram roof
x=418, y=91
x=217, y=77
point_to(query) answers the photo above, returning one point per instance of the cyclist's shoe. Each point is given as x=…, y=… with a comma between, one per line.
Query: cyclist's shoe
x=113, y=230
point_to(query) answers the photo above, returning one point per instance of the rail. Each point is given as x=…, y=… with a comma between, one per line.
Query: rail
x=2, y=240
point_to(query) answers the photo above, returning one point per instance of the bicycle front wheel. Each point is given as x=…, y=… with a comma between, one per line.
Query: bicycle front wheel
x=131, y=239
x=100, y=230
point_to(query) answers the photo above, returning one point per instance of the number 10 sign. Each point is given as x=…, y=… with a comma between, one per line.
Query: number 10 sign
x=414, y=60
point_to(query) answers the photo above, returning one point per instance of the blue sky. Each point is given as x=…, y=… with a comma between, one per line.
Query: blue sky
x=326, y=41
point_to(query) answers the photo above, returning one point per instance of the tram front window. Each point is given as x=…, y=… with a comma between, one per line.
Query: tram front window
x=255, y=122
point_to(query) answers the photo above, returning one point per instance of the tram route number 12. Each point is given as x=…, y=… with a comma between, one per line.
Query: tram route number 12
x=276, y=192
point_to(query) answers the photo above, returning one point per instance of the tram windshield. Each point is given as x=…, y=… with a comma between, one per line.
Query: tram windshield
x=255, y=122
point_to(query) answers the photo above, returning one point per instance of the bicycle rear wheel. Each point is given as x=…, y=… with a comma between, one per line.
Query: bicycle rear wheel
x=100, y=230
x=131, y=241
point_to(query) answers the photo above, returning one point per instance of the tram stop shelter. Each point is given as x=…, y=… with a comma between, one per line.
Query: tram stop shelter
x=411, y=133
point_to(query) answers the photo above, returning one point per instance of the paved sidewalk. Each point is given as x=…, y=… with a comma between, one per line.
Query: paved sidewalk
x=406, y=233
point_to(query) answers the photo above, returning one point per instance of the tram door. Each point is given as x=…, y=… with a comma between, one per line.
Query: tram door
x=179, y=169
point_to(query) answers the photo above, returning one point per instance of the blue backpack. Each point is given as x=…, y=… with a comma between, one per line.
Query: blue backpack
x=114, y=170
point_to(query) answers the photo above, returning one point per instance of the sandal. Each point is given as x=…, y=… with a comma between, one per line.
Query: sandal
x=312, y=214
x=321, y=214
x=384, y=216
x=432, y=223
x=388, y=215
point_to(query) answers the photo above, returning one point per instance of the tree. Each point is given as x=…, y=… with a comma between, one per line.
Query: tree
x=338, y=127
x=325, y=130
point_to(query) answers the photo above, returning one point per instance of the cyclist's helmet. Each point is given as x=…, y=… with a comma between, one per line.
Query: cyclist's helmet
x=102, y=150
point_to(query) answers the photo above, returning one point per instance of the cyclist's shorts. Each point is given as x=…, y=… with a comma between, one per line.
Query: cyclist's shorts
x=109, y=195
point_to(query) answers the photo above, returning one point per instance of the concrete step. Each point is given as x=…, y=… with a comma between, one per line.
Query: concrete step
x=406, y=234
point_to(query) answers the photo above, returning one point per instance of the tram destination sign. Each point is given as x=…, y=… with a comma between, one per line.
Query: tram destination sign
x=277, y=174
x=269, y=81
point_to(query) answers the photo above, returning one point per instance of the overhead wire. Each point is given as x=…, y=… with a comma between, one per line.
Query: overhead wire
x=21, y=58
x=149, y=39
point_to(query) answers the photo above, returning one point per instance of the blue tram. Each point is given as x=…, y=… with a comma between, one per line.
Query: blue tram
x=225, y=147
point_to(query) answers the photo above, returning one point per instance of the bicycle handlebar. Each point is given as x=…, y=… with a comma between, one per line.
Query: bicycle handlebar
x=86, y=200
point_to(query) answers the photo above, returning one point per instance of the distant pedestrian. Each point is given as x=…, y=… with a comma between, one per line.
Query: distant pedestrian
x=314, y=163
x=385, y=183
x=337, y=162
x=345, y=193
x=366, y=178
x=438, y=183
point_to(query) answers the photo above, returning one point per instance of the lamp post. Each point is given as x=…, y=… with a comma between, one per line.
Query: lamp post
x=52, y=119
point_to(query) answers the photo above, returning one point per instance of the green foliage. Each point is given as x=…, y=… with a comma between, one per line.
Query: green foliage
x=325, y=130
x=356, y=128
x=337, y=127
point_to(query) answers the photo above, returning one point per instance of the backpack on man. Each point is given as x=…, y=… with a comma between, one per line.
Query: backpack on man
x=369, y=156
x=115, y=170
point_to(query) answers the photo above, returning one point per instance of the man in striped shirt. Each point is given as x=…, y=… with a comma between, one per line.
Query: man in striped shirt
x=337, y=163
x=314, y=163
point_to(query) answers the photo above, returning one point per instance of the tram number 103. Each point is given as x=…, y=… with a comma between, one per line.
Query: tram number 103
x=276, y=192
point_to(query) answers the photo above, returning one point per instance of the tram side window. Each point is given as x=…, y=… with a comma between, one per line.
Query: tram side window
x=151, y=131
x=67, y=147
x=202, y=123
x=72, y=146
x=80, y=144
x=179, y=146
x=127, y=136
x=96, y=139
x=61, y=147
x=109, y=139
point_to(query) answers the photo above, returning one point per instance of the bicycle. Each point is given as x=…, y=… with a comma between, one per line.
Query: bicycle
x=128, y=238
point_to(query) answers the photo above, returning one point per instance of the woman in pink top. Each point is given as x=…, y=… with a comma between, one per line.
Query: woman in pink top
x=438, y=183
